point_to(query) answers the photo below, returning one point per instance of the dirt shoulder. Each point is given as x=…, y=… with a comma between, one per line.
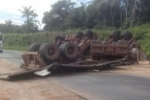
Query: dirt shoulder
x=31, y=89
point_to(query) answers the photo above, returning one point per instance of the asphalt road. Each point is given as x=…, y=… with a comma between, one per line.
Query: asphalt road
x=96, y=86
x=12, y=56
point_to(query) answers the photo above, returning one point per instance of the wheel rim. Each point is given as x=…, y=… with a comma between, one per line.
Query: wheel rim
x=51, y=51
x=70, y=50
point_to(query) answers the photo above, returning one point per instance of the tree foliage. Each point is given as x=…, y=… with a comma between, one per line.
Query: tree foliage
x=10, y=27
x=56, y=18
x=97, y=14
x=30, y=15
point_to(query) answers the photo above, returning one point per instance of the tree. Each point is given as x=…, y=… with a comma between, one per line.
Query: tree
x=56, y=18
x=8, y=24
x=133, y=12
x=30, y=15
x=97, y=14
x=76, y=18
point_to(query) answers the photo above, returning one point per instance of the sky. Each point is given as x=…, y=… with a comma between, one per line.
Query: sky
x=9, y=9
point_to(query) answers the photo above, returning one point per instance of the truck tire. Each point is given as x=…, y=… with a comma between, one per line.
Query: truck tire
x=50, y=51
x=126, y=35
x=61, y=49
x=79, y=35
x=34, y=47
x=69, y=50
x=41, y=50
x=115, y=35
x=89, y=34
x=129, y=34
x=29, y=48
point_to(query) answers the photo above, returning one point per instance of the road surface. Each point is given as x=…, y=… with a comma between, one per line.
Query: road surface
x=96, y=85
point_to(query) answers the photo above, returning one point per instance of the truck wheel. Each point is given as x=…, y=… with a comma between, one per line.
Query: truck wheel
x=126, y=35
x=61, y=49
x=69, y=50
x=51, y=51
x=34, y=47
x=89, y=34
x=79, y=35
x=41, y=50
x=115, y=35
x=129, y=34
x=29, y=48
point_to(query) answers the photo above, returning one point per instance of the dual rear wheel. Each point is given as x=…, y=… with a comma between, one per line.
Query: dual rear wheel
x=52, y=51
x=69, y=50
x=126, y=35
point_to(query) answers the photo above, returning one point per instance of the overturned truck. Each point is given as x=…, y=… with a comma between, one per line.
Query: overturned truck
x=81, y=51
